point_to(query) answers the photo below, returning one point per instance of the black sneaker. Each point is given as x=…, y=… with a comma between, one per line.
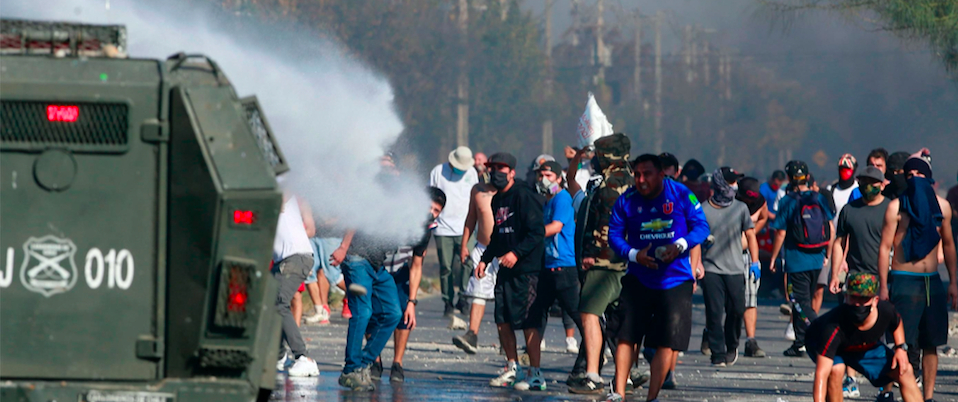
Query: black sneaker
x=731, y=357
x=795, y=351
x=468, y=342
x=706, y=350
x=669, y=382
x=396, y=373
x=376, y=370
x=752, y=349
x=587, y=387
x=885, y=397
x=575, y=377
x=639, y=377
x=718, y=361
x=463, y=307
x=449, y=311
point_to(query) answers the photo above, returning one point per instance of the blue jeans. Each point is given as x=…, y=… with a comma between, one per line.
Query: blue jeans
x=378, y=310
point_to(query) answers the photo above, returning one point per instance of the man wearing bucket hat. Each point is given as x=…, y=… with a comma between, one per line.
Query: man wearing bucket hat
x=851, y=336
x=455, y=178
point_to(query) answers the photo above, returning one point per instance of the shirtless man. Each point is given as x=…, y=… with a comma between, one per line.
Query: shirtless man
x=913, y=285
x=749, y=192
x=480, y=221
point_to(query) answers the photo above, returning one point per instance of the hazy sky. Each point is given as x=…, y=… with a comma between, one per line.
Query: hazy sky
x=894, y=93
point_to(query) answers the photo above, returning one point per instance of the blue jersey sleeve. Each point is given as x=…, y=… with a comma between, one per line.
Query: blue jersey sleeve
x=856, y=194
x=698, y=226
x=617, y=227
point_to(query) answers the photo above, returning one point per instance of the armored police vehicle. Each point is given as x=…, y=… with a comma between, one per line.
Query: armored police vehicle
x=139, y=202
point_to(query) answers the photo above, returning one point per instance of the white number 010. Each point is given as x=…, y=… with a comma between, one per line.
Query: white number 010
x=119, y=268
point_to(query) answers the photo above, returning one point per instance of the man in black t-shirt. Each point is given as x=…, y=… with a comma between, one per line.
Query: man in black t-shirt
x=518, y=243
x=850, y=336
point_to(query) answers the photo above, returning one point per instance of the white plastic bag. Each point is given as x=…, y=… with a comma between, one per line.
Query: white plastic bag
x=593, y=124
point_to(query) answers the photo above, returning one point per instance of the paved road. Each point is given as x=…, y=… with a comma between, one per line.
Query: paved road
x=437, y=371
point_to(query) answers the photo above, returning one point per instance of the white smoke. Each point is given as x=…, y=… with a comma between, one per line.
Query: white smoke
x=333, y=117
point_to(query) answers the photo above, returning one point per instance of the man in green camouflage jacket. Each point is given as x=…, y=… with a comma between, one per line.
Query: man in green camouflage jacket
x=603, y=269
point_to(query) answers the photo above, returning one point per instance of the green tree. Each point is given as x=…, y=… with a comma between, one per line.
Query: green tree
x=934, y=22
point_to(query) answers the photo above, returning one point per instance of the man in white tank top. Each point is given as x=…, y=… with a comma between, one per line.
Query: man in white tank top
x=292, y=262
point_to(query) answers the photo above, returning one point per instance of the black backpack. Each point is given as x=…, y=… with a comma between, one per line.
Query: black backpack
x=808, y=227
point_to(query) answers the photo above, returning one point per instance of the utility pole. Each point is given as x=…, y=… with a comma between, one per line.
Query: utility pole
x=705, y=63
x=657, y=141
x=503, y=9
x=637, y=72
x=575, y=22
x=547, y=147
x=462, y=107
x=599, y=43
x=687, y=52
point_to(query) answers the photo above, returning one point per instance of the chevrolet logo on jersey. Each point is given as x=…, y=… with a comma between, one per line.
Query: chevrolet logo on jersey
x=657, y=225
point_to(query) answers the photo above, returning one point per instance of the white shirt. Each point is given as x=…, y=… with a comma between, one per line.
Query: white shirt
x=291, y=236
x=583, y=175
x=458, y=188
x=840, y=196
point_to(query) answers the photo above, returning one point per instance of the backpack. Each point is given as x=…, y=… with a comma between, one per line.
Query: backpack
x=808, y=227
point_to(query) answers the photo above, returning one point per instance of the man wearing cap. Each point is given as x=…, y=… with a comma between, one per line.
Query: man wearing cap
x=723, y=285
x=602, y=268
x=749, y=192
x=858, y=237
x=850, y=336
x=803, y=230
x=518, y=242
x=916, y=225
x=558, y=279
x=455, y=178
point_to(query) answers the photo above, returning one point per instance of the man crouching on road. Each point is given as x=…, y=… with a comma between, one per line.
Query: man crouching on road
x=850, y=335
x=655, y=225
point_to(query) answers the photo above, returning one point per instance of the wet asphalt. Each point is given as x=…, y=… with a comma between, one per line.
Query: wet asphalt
x=438, y=371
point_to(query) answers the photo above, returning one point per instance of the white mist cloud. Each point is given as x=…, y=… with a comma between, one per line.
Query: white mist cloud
x=332, y=116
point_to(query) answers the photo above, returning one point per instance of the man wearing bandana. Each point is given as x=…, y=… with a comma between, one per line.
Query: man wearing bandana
x=724, y=283
x=850, y=336
x=916, y=225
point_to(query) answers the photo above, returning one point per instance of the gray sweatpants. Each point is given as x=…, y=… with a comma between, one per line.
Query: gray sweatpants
x=290, y=273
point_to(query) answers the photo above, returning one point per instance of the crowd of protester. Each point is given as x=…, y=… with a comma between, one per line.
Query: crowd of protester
x=621, y=244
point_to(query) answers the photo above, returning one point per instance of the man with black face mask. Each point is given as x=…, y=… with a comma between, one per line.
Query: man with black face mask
x=851, y=336
x=917, y=224
x=518, y=242
x=895, y=174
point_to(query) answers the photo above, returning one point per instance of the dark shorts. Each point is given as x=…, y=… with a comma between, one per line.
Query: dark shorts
x=402, y=289
x=599, y=289
x=560, y=284
x=922, y=303
x=662, y=316
x=874, y=364
x=514, y=297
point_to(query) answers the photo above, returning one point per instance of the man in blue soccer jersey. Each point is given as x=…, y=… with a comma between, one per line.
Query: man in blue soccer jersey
x=654, y=225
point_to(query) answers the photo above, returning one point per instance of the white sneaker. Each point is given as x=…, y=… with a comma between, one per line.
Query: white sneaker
x=790, y=332
x=508, y=376
x=571, y=345
x=304, y=367
x=533, y=381
x=320, y=316
x=281, y=364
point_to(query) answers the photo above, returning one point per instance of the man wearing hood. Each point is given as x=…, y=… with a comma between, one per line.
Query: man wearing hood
x=895, y=174
x=724, y=282
x=916, y=224
x=603, y=269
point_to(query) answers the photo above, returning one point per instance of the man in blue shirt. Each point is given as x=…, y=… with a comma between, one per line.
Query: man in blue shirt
x=559, y=277
x=804, y=220
x=655, y=225
x=769, y=190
